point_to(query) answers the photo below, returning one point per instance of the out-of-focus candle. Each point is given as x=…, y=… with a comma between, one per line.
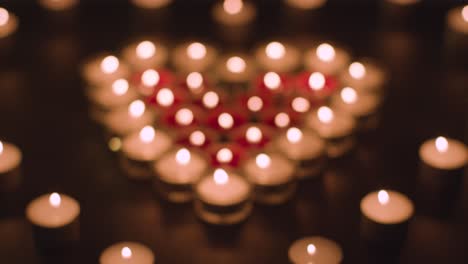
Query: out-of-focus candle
x=277, y=56
x=326, y=58
x=124, y=121
x=55, y=219
x=194, y=56
x=58, y=5
x=127, y=252
x=8, y=23
x=103, y=70
x=306, y=4
x=234, y=12
x=151, y=4
x=236, y=69
x=315, y=250
x=145, y=55
x=10, y=161
x=364, y=76
x=210, y=100
x=225, y=121
x=457, y=19
x=300, y=104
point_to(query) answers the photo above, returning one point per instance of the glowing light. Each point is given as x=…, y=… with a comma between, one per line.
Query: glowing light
x=165, y=97
x=115, y=144
x=136, y=108
x=1, y=147
x=255, y=103
x=325, y=52
x=325, y=114
x=275, y=50
x=300, y=104
x=210, y=100
x=194, y=80
x=236, y=64
x=120, y=87
x=233, y=7
x=224, y=155
x=220, y=176
x=272, y=80
x=145, y=50
x=253, y=134
x=464, y=13
x=183, y=156
x=282, y=120
x=316, y=81
x=294, y=135
x=349, y=95
x=184, y=116
x=383, y=197
x=225, y=120
x=147, y=134
x=4, y=16
x=441, y=144
x=311, y=249
x=55, y=200
x=263, y=161
x=357, y=70
x=126, y=253
x=196, y=51
x=197, y=138
x=109, y=64
x=150, y=78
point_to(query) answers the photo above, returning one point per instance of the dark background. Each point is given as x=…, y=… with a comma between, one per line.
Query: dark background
x=44, y=111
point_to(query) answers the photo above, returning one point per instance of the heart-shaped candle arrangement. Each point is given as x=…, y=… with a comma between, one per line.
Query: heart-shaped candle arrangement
x=226, y=130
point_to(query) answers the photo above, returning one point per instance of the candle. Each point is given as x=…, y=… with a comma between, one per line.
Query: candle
x=272, y=176
x=8, y=23
x=306, y=4
x=223, y=198
x=336, y=128
x=305, y=148
x=272, y=83
x=233, y=12
x=10, y=161
x=184, y=116
x=315, y=85
x=54, y=218
x=58, y=5
x=210, y=100
x=315, y=249
x=125, y=121
x=364, y=76
x=254, y=135
x=194, y=56
x=142, y=148
x=104, y=70
x=151, y=4
x=197, y=137
x=176, y=173
x=326, y=58
x=385, y=217
x=196, y=84
x=127, y=252
x=279, y=57
x=145, y=55
x=300, y=104
x=236, y=69
x=457, y=19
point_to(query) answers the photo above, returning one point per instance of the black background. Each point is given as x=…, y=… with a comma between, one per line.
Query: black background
x=44, y=111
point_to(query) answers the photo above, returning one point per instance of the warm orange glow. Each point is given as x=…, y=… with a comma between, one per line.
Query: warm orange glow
x=275, y=50
x=272, y=80
x=263, y=161
x=194, y=80
x=136, y=108
x=311, y=249
x=184, y=116
x=1, y=147
x=55, y=200
x=225, y=120
x=441, y=144
x=126, y=253
x=464, y=13
x=150, y=78
x=109, y=64
x=120, y=87
x=236, y=64
x=357, y=70
x=325, y=114
x=165, y=97
x=145, y=50
x=349, y=95
x=220, y=177
x=4, y=16
x=300, y=104
x=233, y=7
x=210, y=100
x=197, y=138
x=316, y=81
x=325, y=52
x=294, y=135
x=255, y=103
x=253, y=134
x=224, y=155
x=383, y=197
x=183, y=156
x=282, y=120
x=114, y=144
x=147, y=134
x=196, y=51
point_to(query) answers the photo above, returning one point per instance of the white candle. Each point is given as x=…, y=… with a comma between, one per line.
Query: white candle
x=126, y=253
x=145, y=55
x=306, y=4
x=457, y=19
x=444, y=153
x=8, y=23
x=279, y=57
x=124, y=121
x=236, y=69
x=115, y=95
x=10, y=161
x=58, y=5
x=326, y=58
x=315, y=250
x=194, y=56
x=103, y=70
x=151, y=4
x=364, y=76
x=234, y=12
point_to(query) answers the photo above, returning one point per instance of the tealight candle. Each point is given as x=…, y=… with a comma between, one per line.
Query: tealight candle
x=315, y=249
x=194, y=57
x=151, y=4
x=196, y=84
x=306, y=148
x=279, y=57
x=316, y=86
x=385, y=217
x=145, y=55
x=306, y=4
x=223, y=198
x=326, y=58
x=10, y=161
x=252, y=135
x=210, y=100
x=58, y=5
x=127, y=252
x=54, y=218
x=125, y=121
x=176, y=173
x=140, y=149
x=104, y=70
x=457, y=19
x=364, y=76
x=336, y=128
x=272, y=176
x=8, y=23
x=236, y=69
x=234, y=12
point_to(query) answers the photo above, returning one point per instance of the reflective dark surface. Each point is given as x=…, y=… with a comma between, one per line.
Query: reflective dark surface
x=44, y=111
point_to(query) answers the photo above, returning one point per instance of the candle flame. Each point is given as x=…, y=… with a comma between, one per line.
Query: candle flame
x=1, y=147
x=145, y=50
x=55, y=200
x=126, y=253
x=294, y=135
x=224, y=155
x=311, y=249
x=300, y=104
x=272, y=80
x=357, y=70
x=150, y=78
x=263, y=161
x=220, y=176
x=349, y=95
x=275, y=50
x=253, y=134
x=383, y=197
x=120, y=87
x=225, y=120
x=183, y=156
x=136, y=108
x=316, y=81
x=196, y=51
x=325, y=52
x=325, y=114
x=282, y=120
x=210, y=100
x=233, y=7
x=147, y=134
x=464, y=13
x=255, y=103
x=184, y=116
x=4, y=16
x=165, y=97
x=236, y=64
x=109, y=64
x=197, y=138
x=194, y=80
x=441, y=144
